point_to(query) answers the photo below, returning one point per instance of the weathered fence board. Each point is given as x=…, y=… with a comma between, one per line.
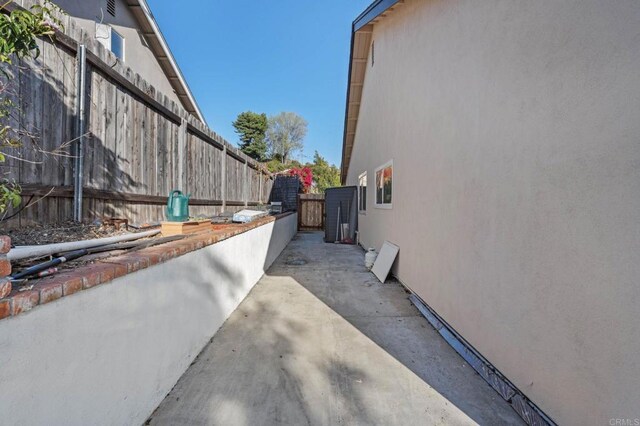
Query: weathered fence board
x=139, y=144
x=310, y=212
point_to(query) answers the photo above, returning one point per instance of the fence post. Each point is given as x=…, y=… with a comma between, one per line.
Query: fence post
x=245, y=186
x=80, y=126
x=260, y=186
x=223, y=188
x=182, y=143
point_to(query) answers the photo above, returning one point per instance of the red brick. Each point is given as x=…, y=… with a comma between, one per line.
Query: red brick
x=152, y=258
x=23, y=301
x=49, y=291
x=168, y=254
x=121, y=269
x=108, y=273
x=72, y=285
x=123, y=264
x=5, y=244
x=5, y=308
x=69, y=282
x=183, y=248
x=5, y=288
x=97, y=273
x=135, y=262
x=191, y=245
x=5, y=266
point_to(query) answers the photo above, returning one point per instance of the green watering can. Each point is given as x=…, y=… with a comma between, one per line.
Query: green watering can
x=178, y=206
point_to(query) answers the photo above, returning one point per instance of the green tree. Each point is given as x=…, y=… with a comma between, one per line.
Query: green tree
x=285, y=135
x=325, y=175
x=251, y=127
x=275, y=165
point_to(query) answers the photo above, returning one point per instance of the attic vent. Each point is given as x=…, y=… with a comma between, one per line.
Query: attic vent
x=111, y=7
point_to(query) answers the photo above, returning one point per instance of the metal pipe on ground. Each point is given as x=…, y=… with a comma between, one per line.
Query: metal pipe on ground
x=32, y=270
x=24, y=252
x=134, y=245
x=76, y=254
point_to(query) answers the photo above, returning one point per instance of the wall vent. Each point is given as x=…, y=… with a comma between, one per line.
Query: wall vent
x=111, y=7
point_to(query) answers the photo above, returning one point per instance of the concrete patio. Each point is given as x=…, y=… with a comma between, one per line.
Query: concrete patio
x=320, y=341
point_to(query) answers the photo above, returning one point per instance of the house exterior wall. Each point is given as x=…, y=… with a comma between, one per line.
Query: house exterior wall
x=513, y=129
x=138, y=56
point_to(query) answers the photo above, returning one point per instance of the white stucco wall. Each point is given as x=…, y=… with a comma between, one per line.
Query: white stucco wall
x=137, y=55
x=109, y=355
x=514, y=132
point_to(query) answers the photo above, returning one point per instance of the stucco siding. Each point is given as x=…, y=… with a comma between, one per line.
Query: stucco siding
x=513, y=129
x=138, y=56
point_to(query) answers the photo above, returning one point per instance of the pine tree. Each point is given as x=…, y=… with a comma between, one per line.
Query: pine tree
x=251, y=128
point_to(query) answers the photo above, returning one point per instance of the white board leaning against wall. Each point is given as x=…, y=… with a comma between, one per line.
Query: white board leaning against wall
x=385, y=260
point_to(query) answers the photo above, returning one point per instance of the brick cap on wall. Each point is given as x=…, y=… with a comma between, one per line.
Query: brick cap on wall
x=84, y=277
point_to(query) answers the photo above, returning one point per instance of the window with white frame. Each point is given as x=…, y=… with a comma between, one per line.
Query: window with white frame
x=117, y=44
x=111, y=39
x=362, y=192
x=384, y=185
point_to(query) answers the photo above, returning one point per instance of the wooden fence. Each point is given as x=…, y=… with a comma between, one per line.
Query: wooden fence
x=311, y=212
x=138, y=144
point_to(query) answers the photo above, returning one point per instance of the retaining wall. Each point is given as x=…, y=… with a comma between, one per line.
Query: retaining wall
x=110, y=354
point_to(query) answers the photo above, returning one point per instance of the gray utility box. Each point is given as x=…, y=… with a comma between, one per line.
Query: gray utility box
x=342, y=200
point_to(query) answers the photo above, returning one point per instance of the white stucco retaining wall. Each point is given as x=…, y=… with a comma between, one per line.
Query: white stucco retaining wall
x=109, y=355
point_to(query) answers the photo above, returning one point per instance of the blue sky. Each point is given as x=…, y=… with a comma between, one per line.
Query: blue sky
x=265, y=56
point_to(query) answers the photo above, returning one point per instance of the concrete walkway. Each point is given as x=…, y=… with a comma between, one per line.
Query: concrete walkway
x=319, y=341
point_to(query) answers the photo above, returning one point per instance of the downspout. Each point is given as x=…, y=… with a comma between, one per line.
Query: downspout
x=80, y=125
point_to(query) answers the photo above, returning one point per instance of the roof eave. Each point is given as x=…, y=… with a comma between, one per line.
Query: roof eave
x=344, y=166
x=368, y=16
x=167, y=55
x=374, y=10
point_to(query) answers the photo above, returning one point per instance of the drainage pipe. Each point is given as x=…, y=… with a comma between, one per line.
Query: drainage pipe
x=23, y=252
x=80, y=115
x=32, y=270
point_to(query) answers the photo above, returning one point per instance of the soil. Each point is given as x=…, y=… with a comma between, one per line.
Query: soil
x=62, y=233
x=65, y=232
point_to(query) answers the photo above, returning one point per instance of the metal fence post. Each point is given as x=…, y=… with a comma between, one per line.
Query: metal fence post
x=80, y=127
x=182, y=144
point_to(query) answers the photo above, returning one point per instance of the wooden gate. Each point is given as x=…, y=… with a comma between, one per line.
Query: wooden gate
x=310, y=212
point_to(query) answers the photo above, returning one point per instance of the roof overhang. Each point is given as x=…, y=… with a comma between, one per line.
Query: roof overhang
x=361, y=36
x=160, y=48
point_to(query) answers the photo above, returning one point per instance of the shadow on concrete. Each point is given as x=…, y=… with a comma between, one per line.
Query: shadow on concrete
x=320, y=341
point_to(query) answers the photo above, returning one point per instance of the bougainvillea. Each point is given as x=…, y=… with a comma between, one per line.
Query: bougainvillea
x=305, y=175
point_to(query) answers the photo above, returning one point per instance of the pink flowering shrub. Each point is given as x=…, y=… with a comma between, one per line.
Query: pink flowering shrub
x=305, y=175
